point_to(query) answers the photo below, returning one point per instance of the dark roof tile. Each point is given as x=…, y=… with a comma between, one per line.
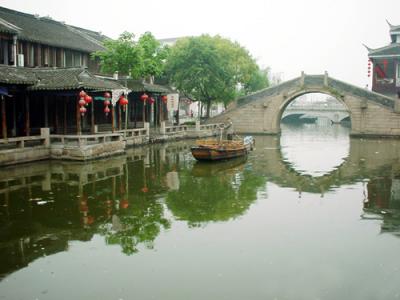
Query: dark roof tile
x=50, y=32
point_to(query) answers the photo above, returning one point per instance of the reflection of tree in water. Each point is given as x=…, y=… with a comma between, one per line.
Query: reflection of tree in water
x=217, y=197
x=140, y=217
x=140, y=224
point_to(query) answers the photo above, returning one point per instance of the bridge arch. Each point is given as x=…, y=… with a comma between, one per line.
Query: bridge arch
x=290, y=98
x=371, y=114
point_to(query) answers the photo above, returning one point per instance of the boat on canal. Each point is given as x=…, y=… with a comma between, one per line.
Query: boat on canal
x=214, y=150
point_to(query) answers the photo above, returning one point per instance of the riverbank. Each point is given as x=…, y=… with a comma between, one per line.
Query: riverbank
x=94, y=146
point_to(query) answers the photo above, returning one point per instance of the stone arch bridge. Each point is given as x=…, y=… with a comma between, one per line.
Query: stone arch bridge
x=371, y=114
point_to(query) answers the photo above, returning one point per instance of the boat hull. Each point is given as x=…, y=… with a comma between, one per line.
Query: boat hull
x=210, y=154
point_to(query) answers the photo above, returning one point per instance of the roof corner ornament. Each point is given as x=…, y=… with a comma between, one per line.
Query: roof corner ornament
x=368, y=48
x=390, y=25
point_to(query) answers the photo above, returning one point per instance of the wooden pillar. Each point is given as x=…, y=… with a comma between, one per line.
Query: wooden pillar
x=126, y=110
x=78, y=119
x=14, y=117
x=112, y=118
x=119, y=117
x=56, y=114
x=144, y=112
x=3, y=117
x=92, y=117
x=46, y=111
x=65, y=114
x=27, y=117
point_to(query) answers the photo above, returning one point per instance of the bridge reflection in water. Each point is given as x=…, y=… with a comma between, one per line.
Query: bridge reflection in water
x=130, y=200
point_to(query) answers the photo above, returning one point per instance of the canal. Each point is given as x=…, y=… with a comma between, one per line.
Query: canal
x=312, y=214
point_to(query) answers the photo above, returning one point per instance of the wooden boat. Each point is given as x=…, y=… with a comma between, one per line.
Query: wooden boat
x=212, y=150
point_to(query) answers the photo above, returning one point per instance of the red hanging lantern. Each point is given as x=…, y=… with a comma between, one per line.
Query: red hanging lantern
x=124, y=204
x=107, y=102
x=151, y=100
x=88, y=99
x=107, y=95
x=164, y=98
x=123, y=101
x=82, y=102
x=144, y=97
x=106, y=110
x=82, y=110
x=82, y=94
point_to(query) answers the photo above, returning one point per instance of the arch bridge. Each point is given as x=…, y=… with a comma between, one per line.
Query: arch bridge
x=371, y=114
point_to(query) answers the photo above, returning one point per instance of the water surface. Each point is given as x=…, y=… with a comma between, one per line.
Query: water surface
x=312, y=214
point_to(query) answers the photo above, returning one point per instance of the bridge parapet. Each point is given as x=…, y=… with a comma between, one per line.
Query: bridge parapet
x=371, y=114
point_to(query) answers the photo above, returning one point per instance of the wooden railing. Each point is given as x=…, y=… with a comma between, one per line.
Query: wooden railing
x=82, y=140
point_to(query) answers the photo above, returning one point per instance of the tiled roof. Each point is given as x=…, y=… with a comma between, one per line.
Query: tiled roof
x=12, y=75
x=55, y=79
x=389, y=50
x=139, y=86
x=50, y=32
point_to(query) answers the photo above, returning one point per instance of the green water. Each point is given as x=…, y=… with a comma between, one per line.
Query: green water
x=312, y=214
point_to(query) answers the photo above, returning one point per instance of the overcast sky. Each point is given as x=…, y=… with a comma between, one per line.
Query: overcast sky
x=287, y=35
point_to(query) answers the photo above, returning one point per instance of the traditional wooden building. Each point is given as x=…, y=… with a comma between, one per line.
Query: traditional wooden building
x=31, y=41
x=385, y=63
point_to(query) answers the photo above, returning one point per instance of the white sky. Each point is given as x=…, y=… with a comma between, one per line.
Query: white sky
x=287, y=35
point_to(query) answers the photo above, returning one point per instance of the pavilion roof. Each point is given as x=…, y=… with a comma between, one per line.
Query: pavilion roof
x=391, y=50
x=55, y=79
x=140, y=86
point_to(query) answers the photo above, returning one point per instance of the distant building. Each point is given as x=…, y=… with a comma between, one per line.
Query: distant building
x=386, y=65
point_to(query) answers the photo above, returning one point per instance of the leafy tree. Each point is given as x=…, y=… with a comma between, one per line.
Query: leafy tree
x=140, y=59
x=211, y=69
x=153, y=55
x=122, y=55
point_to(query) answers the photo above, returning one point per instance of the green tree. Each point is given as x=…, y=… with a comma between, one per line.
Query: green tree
x=140, y=59
x=122, y=55
x=153, y=56
x=211, y=69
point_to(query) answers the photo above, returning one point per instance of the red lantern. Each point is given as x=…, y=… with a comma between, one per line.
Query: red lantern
x=164, y=98
x=82, y=102
x=144, y=97
x=82, y=94
x=145, y=189
x=107, y=102
x=82, y=110
x=107, y=95
x=124, y=204
x=151, y=100
x=123, y=101
x=88, y=99
x=106, y=110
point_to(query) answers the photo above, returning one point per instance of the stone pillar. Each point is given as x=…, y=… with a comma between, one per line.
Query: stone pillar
x=162, y=127
x=302, y=77
x=197, y=125
x=326, y=78
x=147, y=127
x=45, y=133
x=397, y=105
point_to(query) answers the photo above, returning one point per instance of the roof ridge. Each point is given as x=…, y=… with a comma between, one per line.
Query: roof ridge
x=86, y=36
x=9, y=25
x=392, y=45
